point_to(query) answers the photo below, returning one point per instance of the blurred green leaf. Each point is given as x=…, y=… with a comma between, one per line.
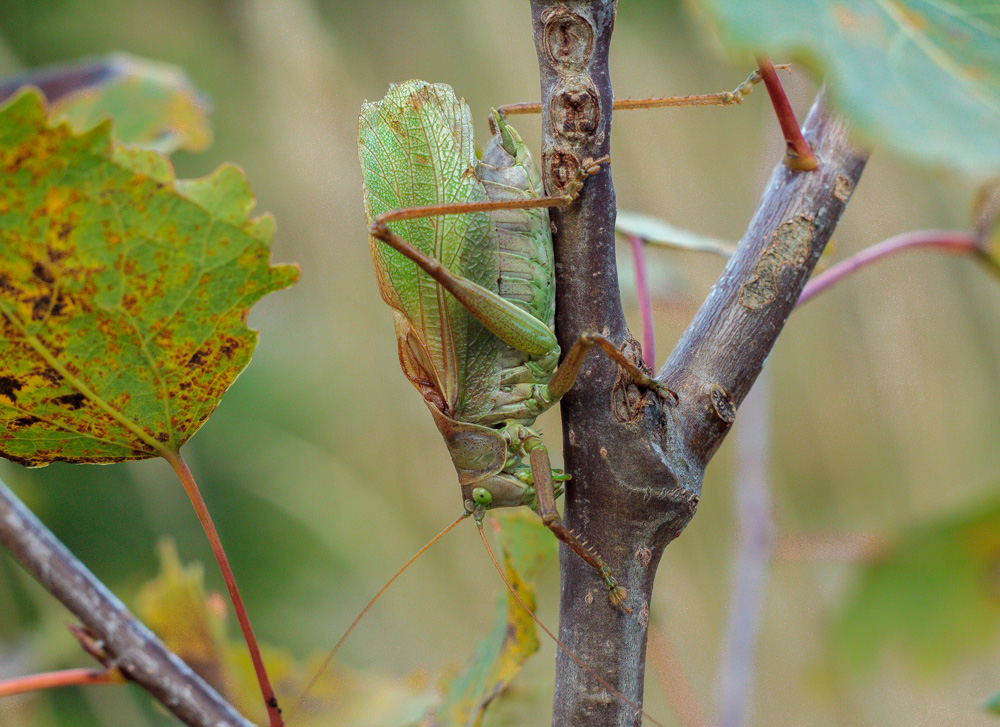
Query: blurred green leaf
x=920, y=76
x=526, y=545
x=123, y=292
x=935, y=596
x=153, y=104
x=993, y=703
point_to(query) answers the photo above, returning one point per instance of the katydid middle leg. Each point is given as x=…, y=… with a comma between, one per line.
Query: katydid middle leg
x=564, y=377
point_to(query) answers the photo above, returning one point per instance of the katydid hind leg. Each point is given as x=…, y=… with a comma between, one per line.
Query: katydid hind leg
x=511, y=324
x=541, y=471
x=506, y=321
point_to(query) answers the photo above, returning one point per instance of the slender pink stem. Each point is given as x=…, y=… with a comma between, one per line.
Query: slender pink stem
x=64, y=678
x=958, y=243
x=645, y=305
x=208, y=525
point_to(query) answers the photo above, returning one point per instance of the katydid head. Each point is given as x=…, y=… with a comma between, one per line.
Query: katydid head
x=510, y=140
x=501, y=490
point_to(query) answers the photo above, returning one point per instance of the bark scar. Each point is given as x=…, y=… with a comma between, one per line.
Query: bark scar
x=790, y=246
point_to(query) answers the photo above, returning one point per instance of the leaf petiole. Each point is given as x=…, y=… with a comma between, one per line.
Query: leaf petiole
x=208, y=525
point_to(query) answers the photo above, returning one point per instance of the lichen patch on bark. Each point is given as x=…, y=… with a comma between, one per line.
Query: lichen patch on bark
x=842, y=188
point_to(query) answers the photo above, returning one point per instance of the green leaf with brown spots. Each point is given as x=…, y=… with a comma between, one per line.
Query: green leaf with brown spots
x=526, y=545
x=153, y=104
x=123, y=292
x=919, y=76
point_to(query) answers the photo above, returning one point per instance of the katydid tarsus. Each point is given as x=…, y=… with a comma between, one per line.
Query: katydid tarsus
x=462, y=248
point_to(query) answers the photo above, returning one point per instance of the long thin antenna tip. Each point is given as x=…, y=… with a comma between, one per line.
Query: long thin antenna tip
x=333, y=652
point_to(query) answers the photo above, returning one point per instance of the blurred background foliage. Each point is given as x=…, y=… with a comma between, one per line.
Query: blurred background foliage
x=325, y=473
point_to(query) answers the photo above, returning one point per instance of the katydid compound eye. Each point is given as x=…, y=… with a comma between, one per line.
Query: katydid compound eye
x=482, y=496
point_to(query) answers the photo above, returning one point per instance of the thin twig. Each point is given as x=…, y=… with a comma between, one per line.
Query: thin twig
x=755, y=537
x=55, y=679
x=956, y=242
x=645, y=304
x=798, y=154
x=129, y=645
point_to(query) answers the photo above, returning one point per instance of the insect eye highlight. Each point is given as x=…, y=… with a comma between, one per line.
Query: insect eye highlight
x=482, y=496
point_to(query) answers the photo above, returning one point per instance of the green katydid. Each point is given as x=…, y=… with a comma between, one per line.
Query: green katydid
x=467, y=268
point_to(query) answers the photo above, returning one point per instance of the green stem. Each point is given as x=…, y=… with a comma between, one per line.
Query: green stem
x=191, y=488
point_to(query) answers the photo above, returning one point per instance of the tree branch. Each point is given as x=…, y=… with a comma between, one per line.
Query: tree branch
x=718, y=358
x=129, y=645
x=624, y=496
x=637, y=460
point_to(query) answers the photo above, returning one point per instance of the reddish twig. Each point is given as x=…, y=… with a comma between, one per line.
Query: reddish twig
x=958, y=243
x=64, y=678
x=798, y=154
x=645, y=304
x=207, y=524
